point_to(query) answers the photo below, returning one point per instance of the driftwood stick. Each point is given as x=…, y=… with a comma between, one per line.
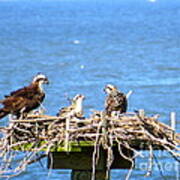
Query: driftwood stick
x=67, y=134
x=173, y=123
x=129, y=94
x=151, y=157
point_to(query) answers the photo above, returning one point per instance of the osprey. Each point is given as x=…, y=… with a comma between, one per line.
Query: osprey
x=75, y=109
x=116, y=101
x=22, y=101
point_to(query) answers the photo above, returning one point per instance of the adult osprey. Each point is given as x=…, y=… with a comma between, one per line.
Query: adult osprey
x=116, y=101
x=75, y=109
x=22, y=101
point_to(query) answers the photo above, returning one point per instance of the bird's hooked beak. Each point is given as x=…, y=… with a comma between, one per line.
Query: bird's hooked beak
x=105, y=89
x=110, y=88
x=46, y=81
x=83, y=97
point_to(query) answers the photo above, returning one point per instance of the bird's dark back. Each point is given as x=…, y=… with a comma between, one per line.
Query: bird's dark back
x=116, y=102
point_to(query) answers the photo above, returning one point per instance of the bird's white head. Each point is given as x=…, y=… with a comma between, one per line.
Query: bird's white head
x=77, y=102
x=78, y=98
x=40, y=79
x=109, y=88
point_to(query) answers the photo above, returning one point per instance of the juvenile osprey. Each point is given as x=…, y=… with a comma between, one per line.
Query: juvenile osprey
x=75, y=109
x=116, y=101
x=23, y=100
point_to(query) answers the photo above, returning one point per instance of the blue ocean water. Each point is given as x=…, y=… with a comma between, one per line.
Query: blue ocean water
x=82, y=45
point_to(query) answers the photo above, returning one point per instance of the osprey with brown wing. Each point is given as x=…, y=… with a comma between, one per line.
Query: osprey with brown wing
x=22, y=101
x=116, y=101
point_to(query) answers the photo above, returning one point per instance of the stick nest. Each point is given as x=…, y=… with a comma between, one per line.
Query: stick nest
x=42, y=133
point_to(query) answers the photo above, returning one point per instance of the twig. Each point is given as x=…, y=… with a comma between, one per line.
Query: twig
x=151, y=157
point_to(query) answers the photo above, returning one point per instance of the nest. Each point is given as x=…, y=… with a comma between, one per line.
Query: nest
x=42, y=133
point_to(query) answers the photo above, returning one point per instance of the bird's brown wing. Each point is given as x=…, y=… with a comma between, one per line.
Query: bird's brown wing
x=14, y=104
x=120, y=102
x=109, y=104
x=22, y=101
x=27, y=92
x=116, y=103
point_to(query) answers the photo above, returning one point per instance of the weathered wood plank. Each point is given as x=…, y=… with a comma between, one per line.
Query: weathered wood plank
x=83, y=160
x=86, y=175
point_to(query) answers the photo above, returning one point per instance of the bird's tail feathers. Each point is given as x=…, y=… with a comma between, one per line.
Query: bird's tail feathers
x=3, y=113
x=1, y=101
